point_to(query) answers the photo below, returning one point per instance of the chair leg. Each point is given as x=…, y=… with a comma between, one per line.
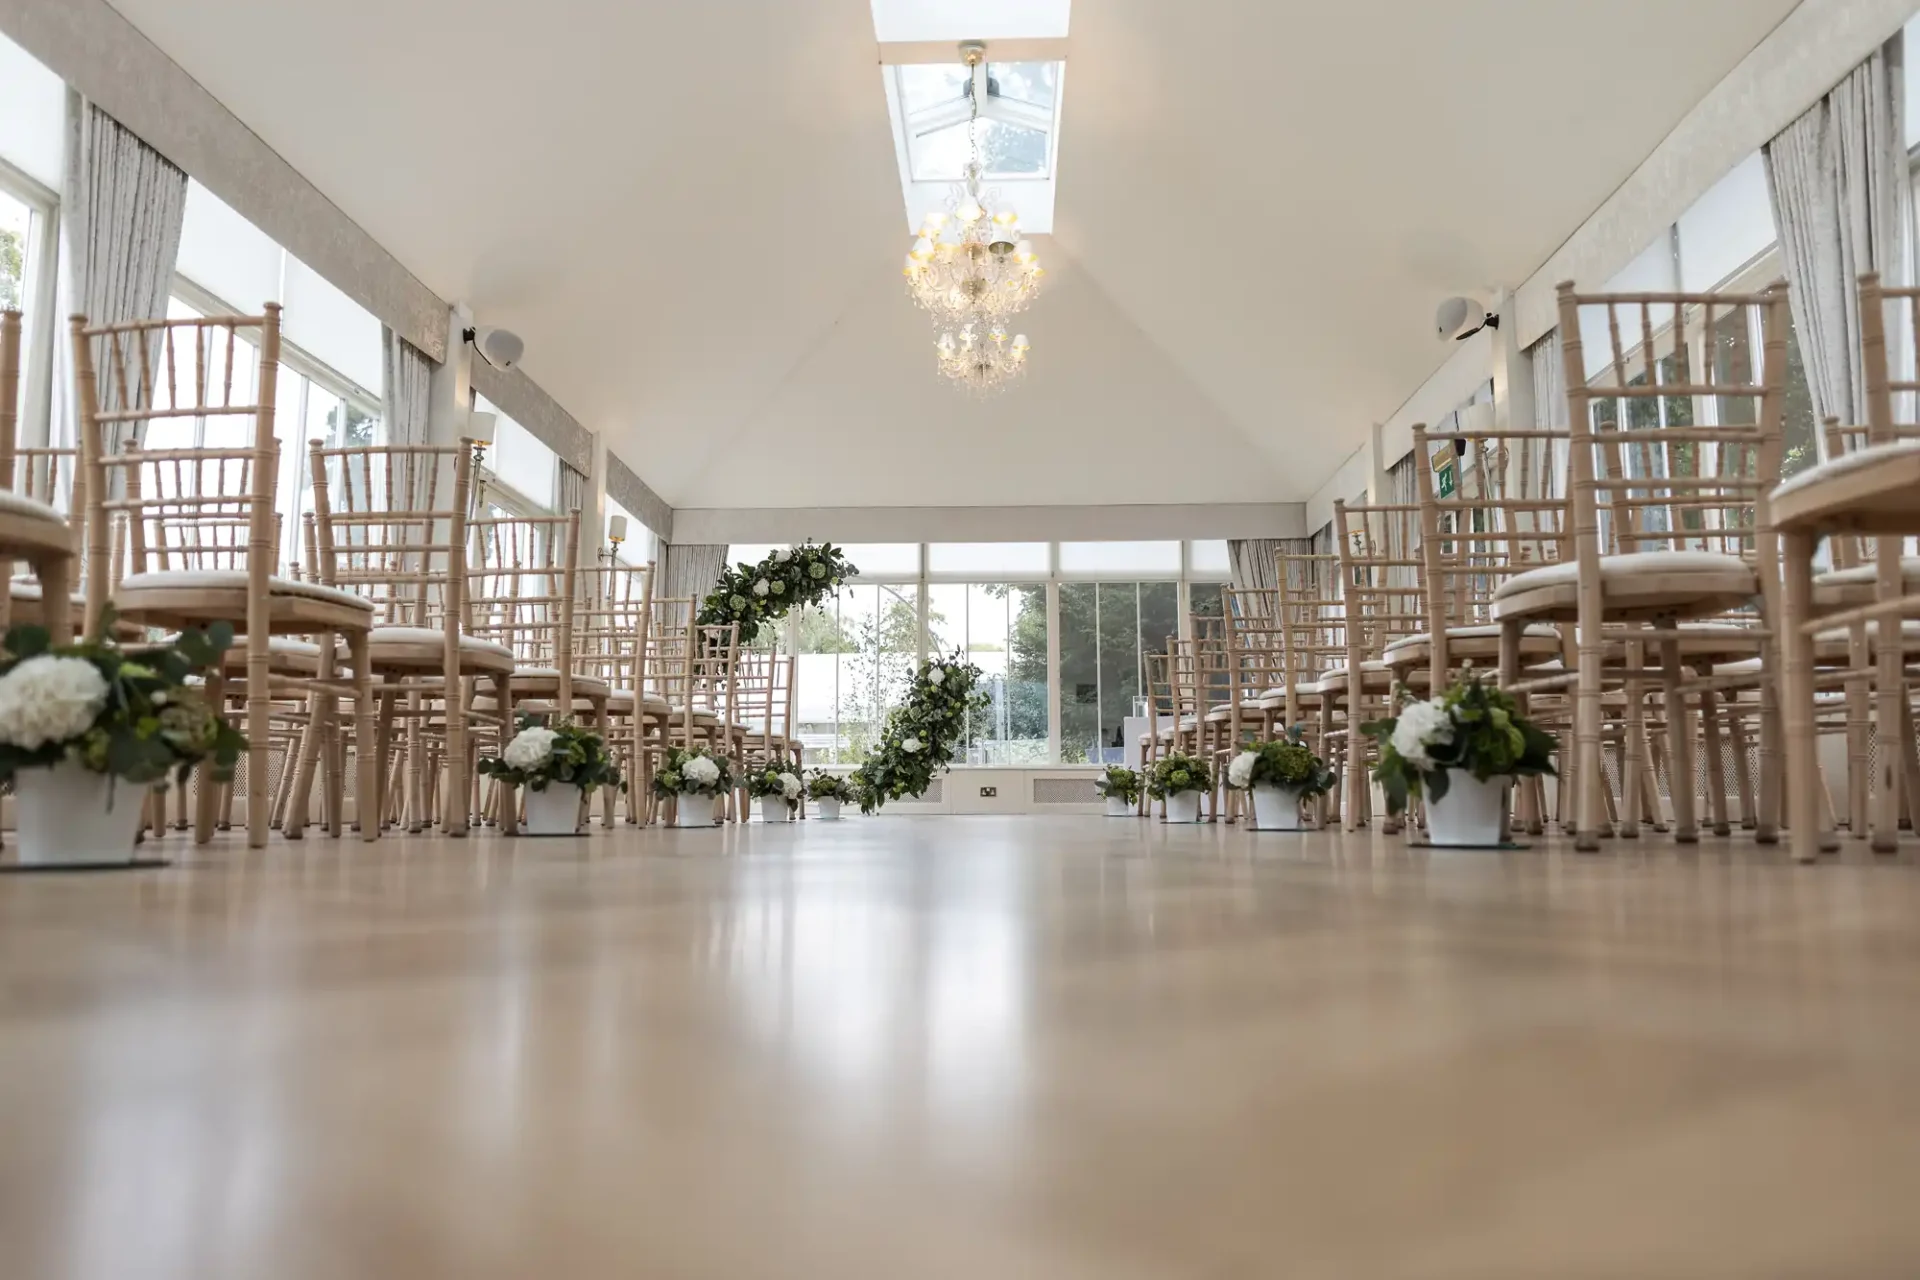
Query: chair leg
x=1800, y=737
x=1859, y=731
x=1716, y=762
x=506, y=797
x=366, y=782
x=1679, y=741
x=206, y=791
x=1633, y=746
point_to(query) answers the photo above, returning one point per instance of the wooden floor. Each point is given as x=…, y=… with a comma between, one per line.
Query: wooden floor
x=960, y=1047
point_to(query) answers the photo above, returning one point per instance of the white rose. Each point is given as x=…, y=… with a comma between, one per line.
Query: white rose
x=50, y=699
x=790, y=785
x=910, y=745
x=935, y=675
x=530, y=748
x=700, y=771
x=783, y=555
x=1240, y=772
x=1422, y=725
x=760, y=588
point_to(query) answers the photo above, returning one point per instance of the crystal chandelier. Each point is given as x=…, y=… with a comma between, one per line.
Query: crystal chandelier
x=980, y=357
x=968, y=262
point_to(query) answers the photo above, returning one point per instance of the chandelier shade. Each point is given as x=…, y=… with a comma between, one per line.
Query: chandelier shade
x=981, y=358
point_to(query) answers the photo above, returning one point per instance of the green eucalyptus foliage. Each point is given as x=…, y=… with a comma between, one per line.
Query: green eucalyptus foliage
x=934, y=716
x=1118, y=780
x=1290, y=762
x=579, y=759
x=154, y=726
x=1176, y=773
x=808, y=575
x=1491, y=739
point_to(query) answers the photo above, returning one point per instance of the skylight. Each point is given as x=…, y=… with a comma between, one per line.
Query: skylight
x=931, y=104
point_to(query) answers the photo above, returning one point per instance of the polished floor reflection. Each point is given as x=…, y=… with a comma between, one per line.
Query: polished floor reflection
x=910, y=1048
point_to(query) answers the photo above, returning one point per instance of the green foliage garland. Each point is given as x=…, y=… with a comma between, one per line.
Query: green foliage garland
x=790, y=577
x=578, y=756
x=1474, y=726
x=151, y=724
x=923, y=735
x=1175, y=773
x=1120, y=781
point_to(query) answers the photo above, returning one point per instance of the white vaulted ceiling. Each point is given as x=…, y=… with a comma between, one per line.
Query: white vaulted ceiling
x=691, y=212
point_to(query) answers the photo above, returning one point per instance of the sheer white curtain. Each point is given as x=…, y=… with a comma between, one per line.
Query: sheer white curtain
x=572, y=493
x=1838, y=180
x=404, y=397
x=121, y=219
x=1255, y=562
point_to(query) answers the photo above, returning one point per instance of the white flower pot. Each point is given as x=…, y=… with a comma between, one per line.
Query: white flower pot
x=64, y=818
x=1275, y=808
x=1117, y=807
x=553, y=812
x=773, y=809
x=1183, y=806
x=829, y=810
x=1468, y=816
x=692, y=810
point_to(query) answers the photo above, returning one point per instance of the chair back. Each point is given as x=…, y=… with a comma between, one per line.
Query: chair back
x=1482, y=533
x=1662, y=457
x=1380, y=584
x=206, y=507
x=1256, y=648
x=669, y=663
x=1313, y=636
x=610, y=625
x=522, y=589
x=389, y=524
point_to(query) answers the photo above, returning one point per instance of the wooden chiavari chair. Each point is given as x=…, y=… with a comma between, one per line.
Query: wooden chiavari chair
x=390, y=525
x=1470, y=542
x=200, y=522
x=1313, y=644
x=1256, y=667
x=31, y=529
x=1864, y=606
x=1384, y=601
x=1691, y=486
x=610, y=637
x=1161, y=718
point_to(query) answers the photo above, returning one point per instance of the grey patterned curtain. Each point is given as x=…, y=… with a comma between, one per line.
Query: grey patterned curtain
x=122, y=211
x=406, y=372
x=1838, y=179
x=691, y=569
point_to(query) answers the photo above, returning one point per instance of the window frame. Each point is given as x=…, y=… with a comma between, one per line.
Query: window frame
x=38, y=322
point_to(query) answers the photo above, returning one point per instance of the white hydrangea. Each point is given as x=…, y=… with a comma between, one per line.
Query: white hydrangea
x=1422, y=725
x=1240, y=772
x=936, y=676
x=783, y=555
x=790, y=786
x=50, y=699
x=700, y=771
x=911, y=745
x=761, y=588
x=530, y=748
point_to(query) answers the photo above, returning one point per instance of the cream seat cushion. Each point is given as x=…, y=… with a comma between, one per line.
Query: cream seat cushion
x=426, y=644
x=1371, y=674
x=1531, y=637
x=1847, y=463
x=533, y=678
x=1656, y=582
x=236, y=580
x=13, y=504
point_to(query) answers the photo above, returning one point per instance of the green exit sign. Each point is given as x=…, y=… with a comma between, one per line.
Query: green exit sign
x=1445, y=480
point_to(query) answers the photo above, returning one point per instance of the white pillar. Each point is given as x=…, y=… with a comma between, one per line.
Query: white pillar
x=450, y=388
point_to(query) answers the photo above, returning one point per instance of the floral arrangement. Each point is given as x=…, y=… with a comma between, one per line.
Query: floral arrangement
x=140, y=716
x=1285, y=762
x=539, y=756
x=1175, y=773
x=752, y=594
x=694, y=771
x=1119, y=781
x=922, y=735
x=1473, y=726
x=775, y=781
x=822, y=785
